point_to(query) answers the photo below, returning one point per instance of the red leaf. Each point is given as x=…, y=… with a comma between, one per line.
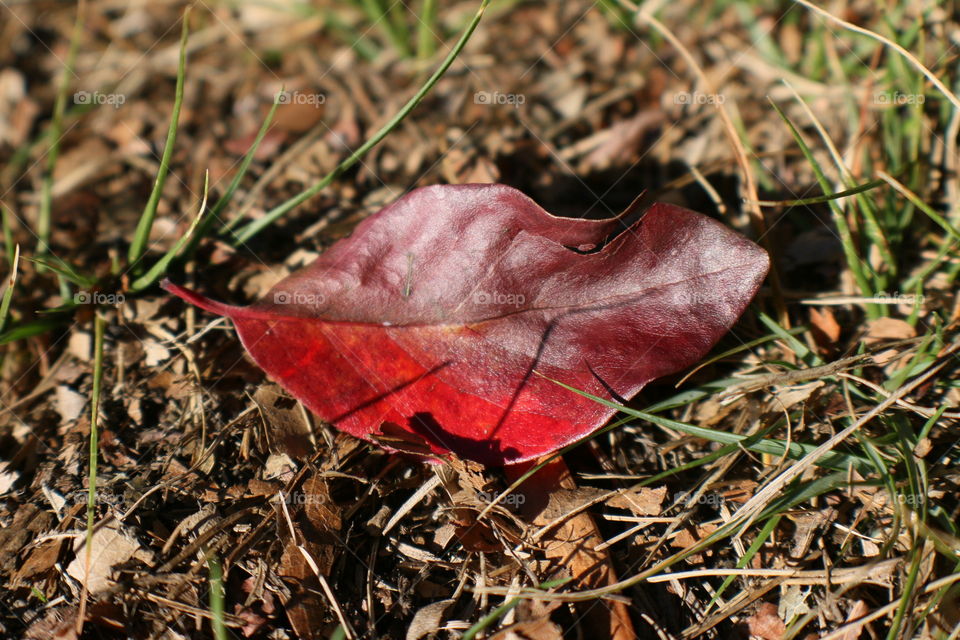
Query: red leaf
x=446, y=313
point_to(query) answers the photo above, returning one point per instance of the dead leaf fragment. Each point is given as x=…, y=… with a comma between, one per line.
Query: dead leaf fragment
x=644, y=502
x=765, y=623
x=541, y=629
x=428, y=619
x=572, y=543
x=826, y=329
x=857, y=611
x=886, y=329
x=110, y=546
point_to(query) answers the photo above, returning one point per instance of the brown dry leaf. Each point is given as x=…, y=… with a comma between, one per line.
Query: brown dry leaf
x=17, y=110
x=268, y=148
x=572, y=543
x=826, y=329
x=786, y=398
x=28, y=521
x=644, y=502
x=319, y=508
x=686, y=538
x=857, y=611
x=285, y=421
x=56, y=624
x=258, y=613
x=464, y=482
x=541, y=629
x=41, y=558
x=765, y=622
x=923, y=448
x=428, y=619
x=621, y=141
x=81, y=165
x=464, y=167
x=110, y=546
x=469, y=474
x=175, y=387
x=317, y=523
x=886, y=329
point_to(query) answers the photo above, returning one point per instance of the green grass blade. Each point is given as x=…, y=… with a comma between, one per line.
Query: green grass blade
x=32, y=328
x=216, y=598
x=380, y=15
x=224, y=200
x=8, y=293
x=99, y=326
x=65, y=270
x=801, y=350
x=794, y=450
x=751, y=551
x=142, y=235
x=866, y=186
x=854, y=263
x=8, y=243
x=256, y=226
x=492, y=617
x=426, y=28
x=160, y=267
x=872, y=228
x=923, y=206
x=744, y=347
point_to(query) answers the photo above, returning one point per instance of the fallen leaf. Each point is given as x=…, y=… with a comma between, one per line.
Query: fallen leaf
x=691, y=536
x=572, y=543
x=428, y=619
x=886, y=329
x=786, y=397
x=451, y=313
x=766, y=623
x=288, y=431
x=541, y=629
x=109, y=547
x=317, y=525
x=59, y=623
x=645, y=501
x=258, y=613
x=70, y=404
x=857, y=611
x=824, y=326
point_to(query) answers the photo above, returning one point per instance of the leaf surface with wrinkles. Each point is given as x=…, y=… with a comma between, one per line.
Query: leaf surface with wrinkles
x=448, y=314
